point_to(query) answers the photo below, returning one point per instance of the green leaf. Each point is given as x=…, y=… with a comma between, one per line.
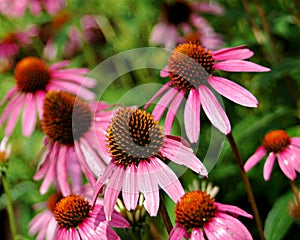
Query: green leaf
x=278, y=221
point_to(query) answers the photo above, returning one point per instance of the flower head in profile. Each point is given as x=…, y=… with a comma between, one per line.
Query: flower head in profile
x=73, y=131
x=190, y=70
x=181, y=18
x=277, y=145
x=17, y=8
x=139, y=150
x=199, y=217
x=34, y=78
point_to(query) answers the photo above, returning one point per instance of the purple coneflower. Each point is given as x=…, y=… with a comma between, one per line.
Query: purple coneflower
x=190, y=69
x=72, y=217
x=10, y=44
x=139, y=149
x=33, y=79
x=277, y=144
x=17, y=8
x=183, y=16
x=199, y=217
x=73, y=131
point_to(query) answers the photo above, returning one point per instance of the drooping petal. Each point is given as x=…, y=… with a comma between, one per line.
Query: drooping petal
x=167, y=179
x=100, y=182
x=269, y=166
x=165, y=72
x=225, y=227
x=147, y=184
x=197, y=234
x=62, y=173
x=177, y=233
x=14, y=115
x=39, y=101
x=182, y=155
x=158, y=93
x=172, y=111
x=130, y=191
x=192, y=116
x=233, y=91
x=163, y=103
x=286, y=166
x=240, y=66
x=112, y=191
x=294, y=156
x=295, y=141
x=29, y=115
x=213, y=110
x=51, y=172
x=255, y=158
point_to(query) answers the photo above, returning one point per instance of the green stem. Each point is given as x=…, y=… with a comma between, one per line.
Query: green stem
x=164, y=215
x=248, y=188
x=10, y=210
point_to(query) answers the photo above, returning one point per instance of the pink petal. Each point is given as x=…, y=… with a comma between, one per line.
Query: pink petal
x=163, y=103
x=286, y=166
x=192, y=116
x=94, y=163
x=14, y=115
x=167, y=179
x=233, y=54
x=64, y=75
x=182, y=155
x=112, y=191
x=255, y=158
x=100, y=182
x=225, y=50
x=59, y=65
x=240, y=66
x=172, y=111
x=39, y=101
x=294, y=154
x=147, y=184
x=225, y=227
x=165, y=72
x=159, y=92
x=213, y=110
x=295, y=141
x=233, y=91
x=61, y=169
x=231, y=209
x=269, y=166
x=197, y=234
x=7, y=111
x=29, y=115
x=177, y=233
x=130, y=191
x=51, y=173
x=11, y=93
x=118, y=221
x=208, y=7
x=83, y=164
